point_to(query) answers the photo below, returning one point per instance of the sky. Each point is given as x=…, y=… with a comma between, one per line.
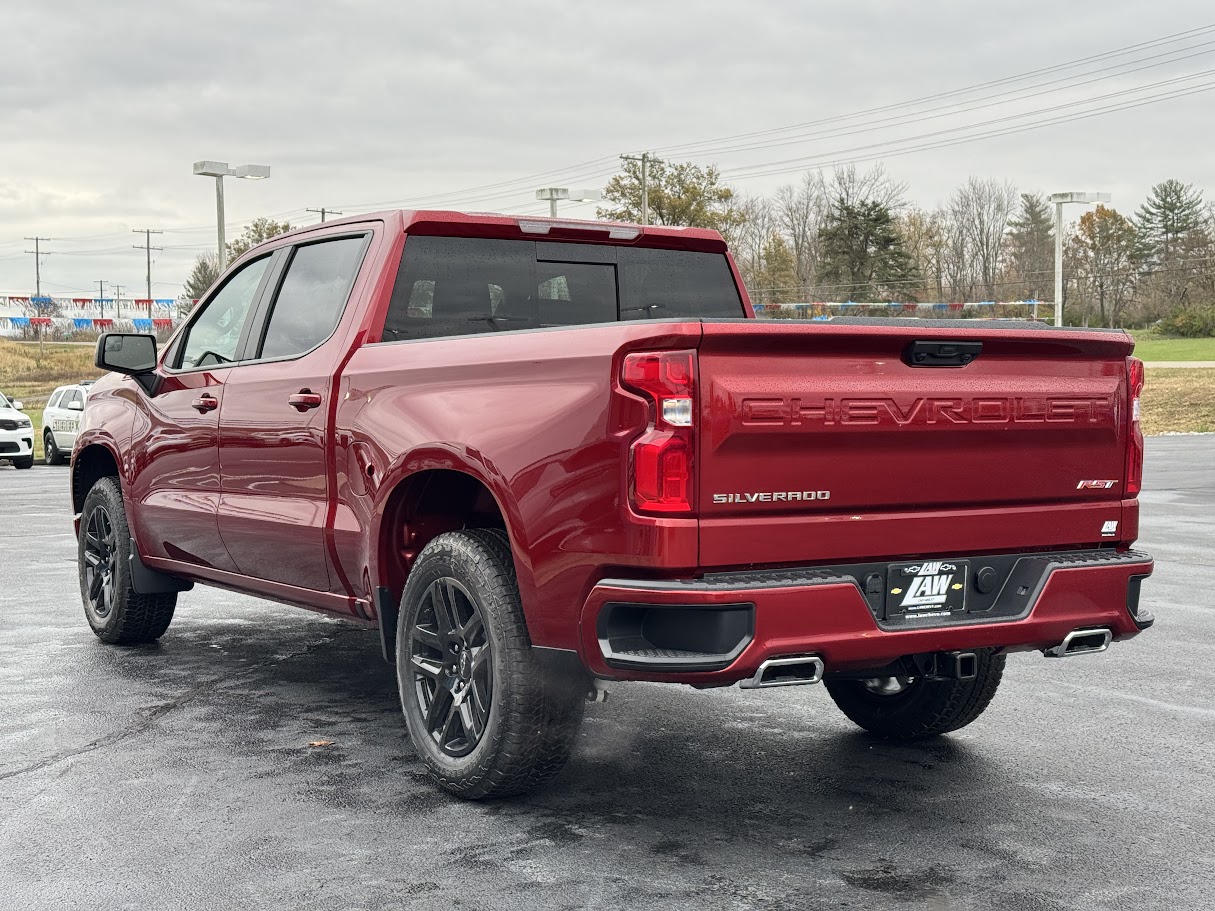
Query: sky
x=364, y=104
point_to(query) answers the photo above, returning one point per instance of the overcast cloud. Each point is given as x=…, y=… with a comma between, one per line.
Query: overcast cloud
x=103, y=106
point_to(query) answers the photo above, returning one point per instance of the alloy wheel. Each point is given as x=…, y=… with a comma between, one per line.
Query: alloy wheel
x=100, y=562
x=452, y=667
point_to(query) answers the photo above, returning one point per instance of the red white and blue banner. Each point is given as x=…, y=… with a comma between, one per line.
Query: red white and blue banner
x=85, y=314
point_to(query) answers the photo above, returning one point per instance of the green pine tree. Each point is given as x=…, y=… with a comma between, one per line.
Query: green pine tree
x=862, y=254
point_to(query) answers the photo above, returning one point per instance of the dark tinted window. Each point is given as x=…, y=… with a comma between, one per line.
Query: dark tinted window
x=660, y=284
x=457, y=286
x=312, y=296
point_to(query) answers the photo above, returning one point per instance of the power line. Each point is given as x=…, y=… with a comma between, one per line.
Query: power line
x=834, y=158
x=953, y=109
x=1178, y=36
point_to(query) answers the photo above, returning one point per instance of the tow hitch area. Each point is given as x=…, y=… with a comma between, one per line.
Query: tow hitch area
x=947, y=665
x=1081, y=642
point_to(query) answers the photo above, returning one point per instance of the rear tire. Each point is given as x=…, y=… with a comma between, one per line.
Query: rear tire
x=115, y=611
x=484, y=716
x=50, y=452
x=907, y=708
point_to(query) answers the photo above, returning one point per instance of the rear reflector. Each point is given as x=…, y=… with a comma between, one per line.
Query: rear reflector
x=1134, y=456
x=661, y=467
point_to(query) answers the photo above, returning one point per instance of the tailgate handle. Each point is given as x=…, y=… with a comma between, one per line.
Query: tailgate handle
x=941, y=354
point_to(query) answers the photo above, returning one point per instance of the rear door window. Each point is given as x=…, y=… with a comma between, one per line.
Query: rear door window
x=312, y=296
x=54, y=402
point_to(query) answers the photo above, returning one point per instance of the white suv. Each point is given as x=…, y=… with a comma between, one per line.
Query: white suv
x=61, y=422
x=16, y=434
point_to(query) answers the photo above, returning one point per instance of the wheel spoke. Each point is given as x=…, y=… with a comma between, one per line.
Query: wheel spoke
x=479, y=696
x=453, y=713
x=95, y=584
x=92, y=558
x=472, y=724
x=480, y=658
x=440, y=596
x=432, y=669
x=469, y=630
x=439, y=709
x=428, y=637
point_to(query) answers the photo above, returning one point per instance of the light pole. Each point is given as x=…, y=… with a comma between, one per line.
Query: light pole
x=219, y=170
x=1060, y=200
x=552, y=194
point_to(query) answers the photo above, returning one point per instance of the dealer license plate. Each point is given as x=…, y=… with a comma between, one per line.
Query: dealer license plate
x=927, y=588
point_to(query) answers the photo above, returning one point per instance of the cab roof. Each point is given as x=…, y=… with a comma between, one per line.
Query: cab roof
x=449, y=223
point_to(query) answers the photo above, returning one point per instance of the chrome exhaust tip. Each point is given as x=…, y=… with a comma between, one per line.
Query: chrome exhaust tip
x=1081, y=642
x=796, y=671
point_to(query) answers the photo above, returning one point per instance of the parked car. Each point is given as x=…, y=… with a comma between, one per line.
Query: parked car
x=16, y=434
x=539, y=454
x=61, y=421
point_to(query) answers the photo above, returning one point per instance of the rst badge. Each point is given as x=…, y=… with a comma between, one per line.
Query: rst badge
x=929, y=588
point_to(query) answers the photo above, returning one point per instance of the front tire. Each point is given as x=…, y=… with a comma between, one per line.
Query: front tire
x=27, y=462
x=115, y=611
x=911, y=708
x=50, y=451
x=484, y=716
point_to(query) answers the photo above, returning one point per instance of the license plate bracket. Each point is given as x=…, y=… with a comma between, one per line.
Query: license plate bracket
x=927, y=588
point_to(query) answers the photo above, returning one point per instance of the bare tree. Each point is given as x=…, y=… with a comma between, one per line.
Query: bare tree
x=753, y=225
x=851, y=187
x=980, y=210
x=799, y=214
x=924, y=236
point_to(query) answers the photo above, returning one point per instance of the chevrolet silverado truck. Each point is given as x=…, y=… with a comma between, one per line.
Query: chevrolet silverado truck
x=541, y=454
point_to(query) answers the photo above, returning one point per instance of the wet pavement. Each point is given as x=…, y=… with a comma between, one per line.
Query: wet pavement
x=180, y=775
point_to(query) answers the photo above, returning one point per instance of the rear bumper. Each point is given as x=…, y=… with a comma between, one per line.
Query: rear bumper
x=743, y=619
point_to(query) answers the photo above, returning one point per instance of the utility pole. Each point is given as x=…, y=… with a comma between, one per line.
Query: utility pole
x=101, y=296
x=117, y=300
x=147, y=246
x=644, y=158
x=323, y=212
x=37, y=251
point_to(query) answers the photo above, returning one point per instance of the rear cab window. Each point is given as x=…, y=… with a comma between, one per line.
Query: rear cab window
x=463, y=286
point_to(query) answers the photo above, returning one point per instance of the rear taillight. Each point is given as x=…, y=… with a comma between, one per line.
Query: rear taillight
x=1134, y=456
x=661, y=463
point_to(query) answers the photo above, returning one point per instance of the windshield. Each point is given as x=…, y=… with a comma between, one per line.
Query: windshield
x=459, y=286
x=3, y=401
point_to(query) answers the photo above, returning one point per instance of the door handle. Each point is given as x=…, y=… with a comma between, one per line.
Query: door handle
x=303, y=400
x=205, y=403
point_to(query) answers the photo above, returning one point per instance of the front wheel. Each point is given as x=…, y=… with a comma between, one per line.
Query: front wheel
x=27, y=462
x=115, y=611
x=485, y=717
x=50, y=452
x=909, y=708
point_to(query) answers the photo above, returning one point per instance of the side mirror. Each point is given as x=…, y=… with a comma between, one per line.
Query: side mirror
x=17, y=406
x=126, y=352
x=75, y=406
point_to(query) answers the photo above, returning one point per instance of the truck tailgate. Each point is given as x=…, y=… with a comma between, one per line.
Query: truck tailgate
x=821, y=441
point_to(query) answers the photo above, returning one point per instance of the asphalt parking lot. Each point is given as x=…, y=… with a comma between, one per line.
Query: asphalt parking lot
x=181, y=776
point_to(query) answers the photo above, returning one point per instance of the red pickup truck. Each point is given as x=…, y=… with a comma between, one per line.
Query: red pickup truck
x=538, y=454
